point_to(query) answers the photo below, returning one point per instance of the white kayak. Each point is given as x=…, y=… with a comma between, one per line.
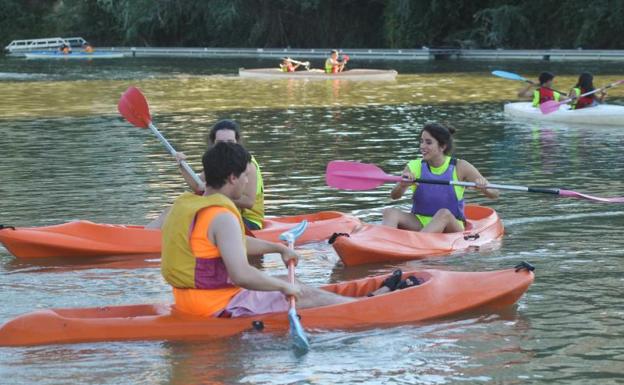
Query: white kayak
x=602, y=114
x=355, y=74
x=73, y=55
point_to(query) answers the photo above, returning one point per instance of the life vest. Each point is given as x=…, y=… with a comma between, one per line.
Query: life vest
x=330, y=68
x=256, y=213
x=544, y=94
x=429, y=198
x=190, y=262
x=582, y=102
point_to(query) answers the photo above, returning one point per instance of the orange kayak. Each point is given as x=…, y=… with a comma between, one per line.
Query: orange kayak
x=376, y=243
x=442, y=294
x=88, y=239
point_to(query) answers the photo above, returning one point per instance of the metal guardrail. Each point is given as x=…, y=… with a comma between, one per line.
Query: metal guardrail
x=370, y=54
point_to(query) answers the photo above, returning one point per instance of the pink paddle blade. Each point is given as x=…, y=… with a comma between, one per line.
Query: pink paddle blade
x=133, y=106
x=574, y=194
x=549, y=107
x=347, y=175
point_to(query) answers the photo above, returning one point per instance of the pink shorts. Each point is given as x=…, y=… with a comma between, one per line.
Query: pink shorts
x=252, y=302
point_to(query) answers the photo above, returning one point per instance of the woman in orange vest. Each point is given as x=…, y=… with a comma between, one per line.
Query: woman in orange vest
x=204, y=250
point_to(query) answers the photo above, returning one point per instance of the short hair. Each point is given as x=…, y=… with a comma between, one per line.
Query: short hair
x=222, y=160
x=224, y=124
x=545, y=76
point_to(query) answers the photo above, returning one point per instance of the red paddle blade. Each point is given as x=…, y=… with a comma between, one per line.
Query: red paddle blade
x=347, y=175
x=549, y=107
x=133, y=106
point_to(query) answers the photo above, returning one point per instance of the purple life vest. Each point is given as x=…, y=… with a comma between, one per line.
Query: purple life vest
x=429, y=198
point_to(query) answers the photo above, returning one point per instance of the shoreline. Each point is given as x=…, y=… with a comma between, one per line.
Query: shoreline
x=424, y=54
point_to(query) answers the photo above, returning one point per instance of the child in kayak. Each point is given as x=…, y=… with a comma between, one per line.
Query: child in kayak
x=204, y=249
x=333, y=65
x=585, y=84
x=436, y=208
x=252, y=201
x=543, y=93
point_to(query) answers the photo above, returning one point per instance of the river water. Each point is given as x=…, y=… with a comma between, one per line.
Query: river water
x=67, y=155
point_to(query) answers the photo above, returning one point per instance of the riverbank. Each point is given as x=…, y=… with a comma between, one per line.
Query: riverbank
x=423, y=54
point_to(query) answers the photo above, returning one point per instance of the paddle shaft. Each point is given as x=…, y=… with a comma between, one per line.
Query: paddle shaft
x=592, y=92
x=545, y=190
x=513, y=76
x=173, y=152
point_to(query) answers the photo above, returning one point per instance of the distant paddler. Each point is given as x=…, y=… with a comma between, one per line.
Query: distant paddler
x=333, y=65
x=290, y=65
x=544, y=91
x=87, y=48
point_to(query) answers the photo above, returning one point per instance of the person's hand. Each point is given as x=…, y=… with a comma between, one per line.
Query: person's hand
x=288, y=254
x=481, y=183
x=290, y=289
x=180, y=156
x=407, y=178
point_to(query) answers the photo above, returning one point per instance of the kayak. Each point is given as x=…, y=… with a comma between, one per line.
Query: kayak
x=89, y=239
x=377, y=243
x=442, y=294
x=73, y=55
x=602, y=114
x=355, y=74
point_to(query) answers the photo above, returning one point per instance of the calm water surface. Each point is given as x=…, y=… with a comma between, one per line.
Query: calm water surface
x=68, y=155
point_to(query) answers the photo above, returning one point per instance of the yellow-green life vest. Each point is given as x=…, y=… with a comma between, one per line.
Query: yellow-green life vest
x=256, y=213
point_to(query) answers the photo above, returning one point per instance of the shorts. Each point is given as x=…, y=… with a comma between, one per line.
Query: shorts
x=252, y=302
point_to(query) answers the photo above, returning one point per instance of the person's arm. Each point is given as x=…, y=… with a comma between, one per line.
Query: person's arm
x=399, y=189
x=180, y=156
x=258, y=247
x=226, y=233
x=526, y=92
x=469, y=173
x=248, y=199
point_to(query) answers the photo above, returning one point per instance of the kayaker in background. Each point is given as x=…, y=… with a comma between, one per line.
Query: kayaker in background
x=65, y=49
x=333, y=65
x=585, y=84
x=87, y=48
x=436, y=208
x=289, y=66
x=543, y=93
x=204, y=249
x=251, y=203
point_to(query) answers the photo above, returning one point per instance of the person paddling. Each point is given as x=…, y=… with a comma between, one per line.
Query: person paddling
x=585, y=84
x=333, y=65
x=435, y=208
x=251, y=203
x=289, y=66
x=204, y=249
x=543, y=93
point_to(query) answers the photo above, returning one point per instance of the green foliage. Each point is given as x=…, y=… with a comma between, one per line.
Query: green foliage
x=321, y=23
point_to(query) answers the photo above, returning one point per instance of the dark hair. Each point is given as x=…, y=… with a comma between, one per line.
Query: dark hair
x=222, y=160
x=585, y=82
x=544, y=77
x=443, y=133
x=224, y=124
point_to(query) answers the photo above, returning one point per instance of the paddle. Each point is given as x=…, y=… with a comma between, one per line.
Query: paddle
x=306, y=64
x=348, y=175
x=133, y=106
x=513, y=76
x=297, y=333
x=552, y=106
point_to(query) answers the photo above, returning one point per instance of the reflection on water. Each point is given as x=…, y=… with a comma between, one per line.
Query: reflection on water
x=68, y=155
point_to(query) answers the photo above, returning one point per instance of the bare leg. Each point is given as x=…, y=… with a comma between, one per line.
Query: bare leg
x=158, y=222
x=314, y=297
x=443, y=222
x=399, y=219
